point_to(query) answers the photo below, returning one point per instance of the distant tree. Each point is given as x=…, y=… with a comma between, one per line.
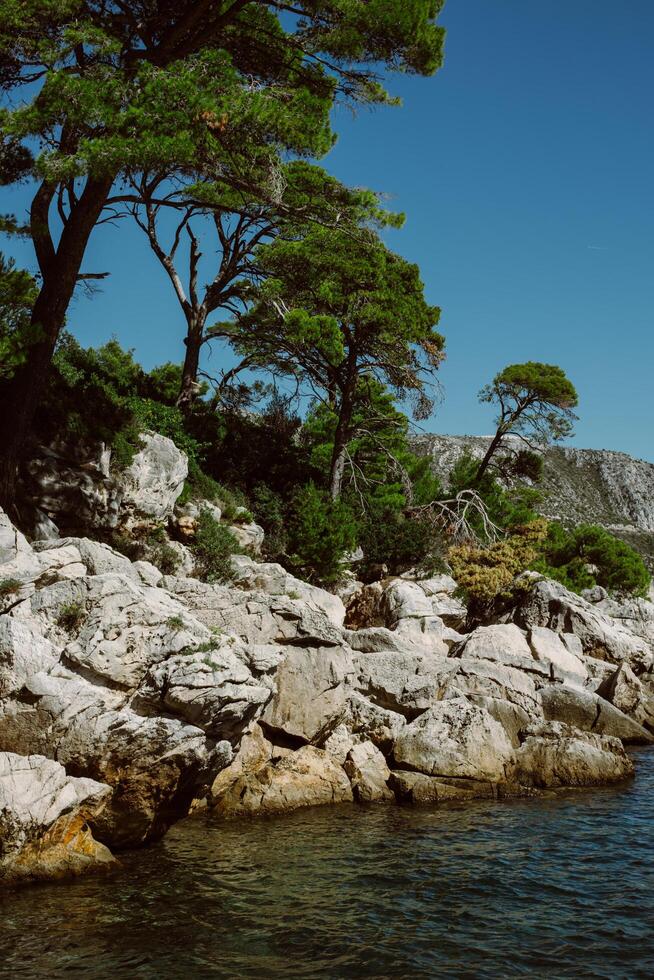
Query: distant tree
x=333, y=309
x=96, y=90
x=535, y=404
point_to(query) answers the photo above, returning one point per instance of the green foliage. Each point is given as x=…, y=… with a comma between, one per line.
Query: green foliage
x=175, y=623
x=321, y=531
x=18, y=291
x=507, y=507
x=213, y=548
x=400, y=541
x=270, y=513
x=535, y=402
x=71, y=616
x=334, y=309
x=588, y=555
x=9, y=586
x=527, y=464
x=160, y=553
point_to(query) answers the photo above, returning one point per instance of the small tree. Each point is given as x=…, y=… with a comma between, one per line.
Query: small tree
x=535, y=404
x=334, y=309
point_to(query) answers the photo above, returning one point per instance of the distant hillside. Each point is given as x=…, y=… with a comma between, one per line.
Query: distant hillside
x=580, y=485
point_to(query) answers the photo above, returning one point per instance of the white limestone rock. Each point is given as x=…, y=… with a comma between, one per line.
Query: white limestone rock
x=155, y=478
x=555, y=755
x=312, y=689
x=274, y=580
x=368, y=773
x=455, y=738
x=43, y=814
x=547, y=647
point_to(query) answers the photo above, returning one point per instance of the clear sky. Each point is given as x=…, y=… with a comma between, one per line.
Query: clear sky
x=526, y=171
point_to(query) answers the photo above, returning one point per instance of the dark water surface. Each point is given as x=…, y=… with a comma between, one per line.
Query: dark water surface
x=562, y=887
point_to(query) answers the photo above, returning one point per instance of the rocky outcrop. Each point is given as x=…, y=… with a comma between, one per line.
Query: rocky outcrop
x=44, y=832
x=308, y=777
x=455, y=739
x=555, y=755
x=137, y=697
x=602, y=637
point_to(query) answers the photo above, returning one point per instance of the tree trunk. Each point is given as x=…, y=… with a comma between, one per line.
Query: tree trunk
x=188, y=390
x=19, y=397
x=490, y=452
x=341, y=439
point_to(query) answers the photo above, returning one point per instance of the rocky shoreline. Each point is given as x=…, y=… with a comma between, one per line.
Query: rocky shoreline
x=130, y=698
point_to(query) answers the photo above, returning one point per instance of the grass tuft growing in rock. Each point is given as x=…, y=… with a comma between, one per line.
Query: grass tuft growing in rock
x=71, y=616
x=9, y=586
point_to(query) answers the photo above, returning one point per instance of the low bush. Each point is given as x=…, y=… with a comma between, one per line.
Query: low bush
x=589, y=555
x=487, y=575
x=9, y=586
x=213, y=548
x=399, y=541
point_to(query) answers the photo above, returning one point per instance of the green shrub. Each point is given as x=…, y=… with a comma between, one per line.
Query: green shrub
x=487, y=575
x=321, y=532
x=212, y=549
x=589, y=555
x=393, y=538
x=269, y=512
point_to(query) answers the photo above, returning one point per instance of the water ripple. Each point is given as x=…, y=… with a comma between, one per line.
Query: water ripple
x=561, y=887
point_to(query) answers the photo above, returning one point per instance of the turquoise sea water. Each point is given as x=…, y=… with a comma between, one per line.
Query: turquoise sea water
x=557, y=887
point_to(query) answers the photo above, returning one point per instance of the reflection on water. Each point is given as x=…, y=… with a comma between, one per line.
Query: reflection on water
x=562, y=887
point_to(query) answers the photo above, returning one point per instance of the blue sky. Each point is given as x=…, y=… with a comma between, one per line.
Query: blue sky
x=526, y=172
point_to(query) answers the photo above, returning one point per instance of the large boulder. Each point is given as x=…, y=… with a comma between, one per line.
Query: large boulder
x=312, y=688
x=43, y=820
x=626, y=692
x=308, y=777
x=547, y=647
x=368, y=773
x=255, y=617
x=551, y=604
x=274, y=580
x=416, y=788
x=407, y=683
x=111, y=628
x=555, y=755
x=214, y=689
x=504, y=644
x=591, y=713
x=457, y=739
x=70, y=486
x=370, y=721
x=250, y=536
x=155, y=764
x=155, y=478
x=403, y=600
x=484, y=678
x=635, y=614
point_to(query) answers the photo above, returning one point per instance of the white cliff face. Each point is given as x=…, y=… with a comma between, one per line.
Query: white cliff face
x=590, y=486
